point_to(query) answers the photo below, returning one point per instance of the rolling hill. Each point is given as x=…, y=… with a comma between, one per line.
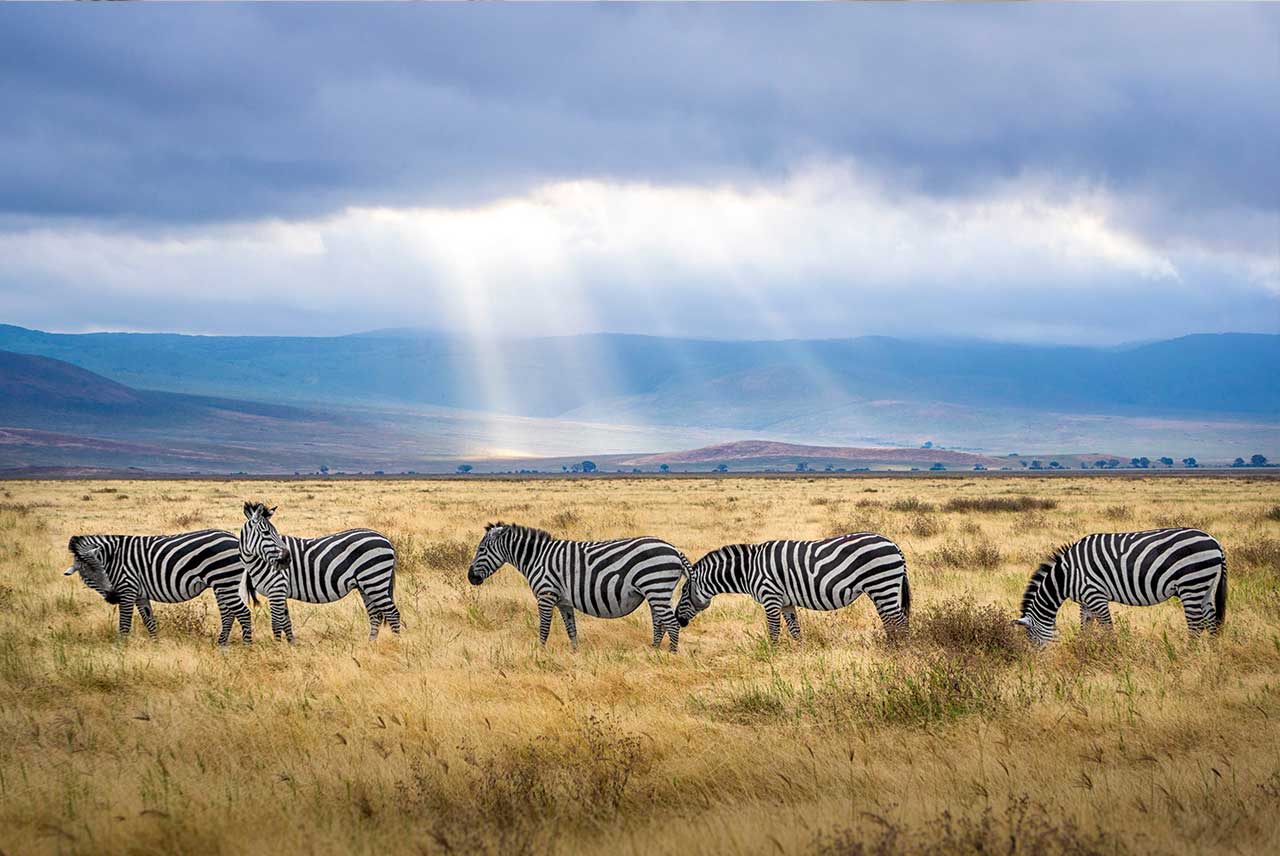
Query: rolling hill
x=398, y=398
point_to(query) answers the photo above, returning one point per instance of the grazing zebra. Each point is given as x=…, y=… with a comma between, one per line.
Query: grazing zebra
x=134, y=570
x=316, y=570
x=607, y=579
x=1135, y=568
x=826, y=574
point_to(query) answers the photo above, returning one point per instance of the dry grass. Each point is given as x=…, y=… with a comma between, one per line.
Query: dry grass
x=463, y=736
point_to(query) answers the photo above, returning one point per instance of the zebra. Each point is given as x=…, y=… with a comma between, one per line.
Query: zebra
x=1134, y=568
x=131, y=571
x=316, y=570
x=607, y=579
x=826, y=574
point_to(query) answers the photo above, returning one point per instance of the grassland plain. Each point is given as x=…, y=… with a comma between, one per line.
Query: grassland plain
x=464, y=736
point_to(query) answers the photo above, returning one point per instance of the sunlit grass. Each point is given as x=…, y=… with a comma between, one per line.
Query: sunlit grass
x=463, y=736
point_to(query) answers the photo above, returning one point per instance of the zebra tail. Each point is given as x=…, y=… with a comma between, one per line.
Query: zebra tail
x=1220, y=597
x=247, y=593
x=906, y=594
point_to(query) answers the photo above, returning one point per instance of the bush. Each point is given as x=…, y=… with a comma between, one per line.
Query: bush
x=962, y=627
x=924, y=525
x=962, y=553
x=1117, y=512
x=1022, y=828
x=1259, y=553
x=999, y=503
x=1273, y=513
x=911, y=503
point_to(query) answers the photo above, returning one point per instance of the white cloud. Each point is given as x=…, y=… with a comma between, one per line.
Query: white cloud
x=826, y=252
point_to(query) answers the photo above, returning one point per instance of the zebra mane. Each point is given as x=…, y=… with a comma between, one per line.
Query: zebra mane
x=528, y=530
x=76, y=542
x=1038, y=578
x=250, y=508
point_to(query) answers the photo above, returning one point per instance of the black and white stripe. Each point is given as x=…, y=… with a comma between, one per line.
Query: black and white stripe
x=606, y=579
x=316, y=570
x=134, y=570
x=826, y=574
x=1135, y=568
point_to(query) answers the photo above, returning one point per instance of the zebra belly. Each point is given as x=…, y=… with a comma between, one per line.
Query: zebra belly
x=839, y=599
x=611, y=607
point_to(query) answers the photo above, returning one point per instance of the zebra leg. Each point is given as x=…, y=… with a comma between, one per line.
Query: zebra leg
x=664, y=621
x=280, y=623
x=1085, y=616
x=1099, y=611
x=245, y=617
x=793, y=623
x=229, y=608
x=772, y=619
x=126, y=616
x=1195, y=608
x=546, y=606
x=375, y=614
x=148, y=618
x=889, y=608
x=570, y=626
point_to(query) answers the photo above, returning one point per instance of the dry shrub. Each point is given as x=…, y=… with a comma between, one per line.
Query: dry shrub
x=564, y=520
x=1272, y=513
x=6, y=596
x=414, y=555
x=979, y=553
x=963, y=627
x=1257, y=554
x=515, y=800
x=935, y=688
x=18, y=509
x=924, y=525
x=861, y=522
x=1022, y=828
x=187, y=519
x=1117, y=512
x=911, y=503
x=999, y=503
x=184, y=619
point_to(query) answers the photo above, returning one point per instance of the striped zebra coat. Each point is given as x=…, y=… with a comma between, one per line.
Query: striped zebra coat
x=1134, y=568
x=826, y=574
x=316, y=570
x=606, y=579
x=134, y=570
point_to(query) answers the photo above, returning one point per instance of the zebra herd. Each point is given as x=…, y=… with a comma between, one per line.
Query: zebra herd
x=610, y=579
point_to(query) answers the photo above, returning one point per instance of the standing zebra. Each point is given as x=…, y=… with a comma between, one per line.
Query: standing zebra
x=316, y=570
x=826, y=574
x=607, y=579
x=133, y=570
x=1135, y=568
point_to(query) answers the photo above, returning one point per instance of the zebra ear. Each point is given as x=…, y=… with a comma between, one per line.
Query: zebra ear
x=248, y=509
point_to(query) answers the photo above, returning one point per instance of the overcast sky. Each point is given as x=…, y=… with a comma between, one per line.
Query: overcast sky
x=1076, y=173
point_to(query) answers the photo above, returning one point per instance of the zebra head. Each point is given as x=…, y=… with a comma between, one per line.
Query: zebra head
x=89, y=560
x=693, y=598
x=1040, y=603
x=491, y=553
x=261, y=545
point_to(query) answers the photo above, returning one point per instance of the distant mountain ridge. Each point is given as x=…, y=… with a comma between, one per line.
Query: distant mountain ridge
x=435, y=394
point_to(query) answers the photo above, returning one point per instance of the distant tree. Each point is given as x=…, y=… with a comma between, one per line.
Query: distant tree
x=1167, y=461
x=1024, y=463
x=324, y=469
x=576, y=468
x=938, y=467
x=1258, y=460
x=928, y=444
x=1190, y=463
x=465, y=468
x=977, y=468
x=1036, y=465
x=635, y=469
x=1140, y=463
x=664, y=468
x=802, y=467
x=588, y=466
x=1054, y=465
x=1100, y=464
x=722, y=468
x=1113, y=463
x=1238, y=462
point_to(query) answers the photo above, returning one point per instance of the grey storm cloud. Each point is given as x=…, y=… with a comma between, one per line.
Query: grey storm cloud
x=1019, y=162
x=208, y=114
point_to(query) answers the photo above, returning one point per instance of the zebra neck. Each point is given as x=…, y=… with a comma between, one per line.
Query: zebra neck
x=730, y=578
x=526, y=556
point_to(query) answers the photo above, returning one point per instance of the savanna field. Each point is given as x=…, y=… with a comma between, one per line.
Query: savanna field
x=463, y=736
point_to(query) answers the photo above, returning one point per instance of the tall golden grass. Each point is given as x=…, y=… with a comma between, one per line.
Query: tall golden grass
x=464, y=736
